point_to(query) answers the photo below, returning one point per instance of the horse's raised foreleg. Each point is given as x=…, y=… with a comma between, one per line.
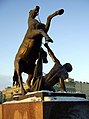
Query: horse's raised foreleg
x=59, y=12
x=37, y=32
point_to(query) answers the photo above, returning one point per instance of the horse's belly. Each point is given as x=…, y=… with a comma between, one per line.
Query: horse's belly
x=28, y=51
x=25, y=47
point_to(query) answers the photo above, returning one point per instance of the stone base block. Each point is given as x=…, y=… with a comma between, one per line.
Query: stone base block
x=45, y=110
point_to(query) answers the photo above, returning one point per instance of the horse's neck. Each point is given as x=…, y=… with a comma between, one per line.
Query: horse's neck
x=35, y=24
x=31, y=20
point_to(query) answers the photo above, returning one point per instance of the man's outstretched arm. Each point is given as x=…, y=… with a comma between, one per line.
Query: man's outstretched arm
x=51, y=54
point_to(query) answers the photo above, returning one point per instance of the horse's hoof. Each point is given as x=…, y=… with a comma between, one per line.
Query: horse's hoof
x=61, y=11
x=49, y=40
x=28, y=90
x=24, y=92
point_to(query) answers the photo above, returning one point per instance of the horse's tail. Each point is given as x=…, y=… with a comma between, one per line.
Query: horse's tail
x=15, y=79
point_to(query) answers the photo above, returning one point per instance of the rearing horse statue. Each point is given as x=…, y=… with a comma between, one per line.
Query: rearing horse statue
x=28, y=52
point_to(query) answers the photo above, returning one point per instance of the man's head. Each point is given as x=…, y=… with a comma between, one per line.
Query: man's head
x=68, y=67
x=33, y=13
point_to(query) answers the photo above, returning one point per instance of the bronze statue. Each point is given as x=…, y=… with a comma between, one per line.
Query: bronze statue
x=57, y=73
x=28, y=52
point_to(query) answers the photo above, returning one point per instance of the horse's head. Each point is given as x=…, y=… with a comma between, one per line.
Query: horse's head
x=33, y=13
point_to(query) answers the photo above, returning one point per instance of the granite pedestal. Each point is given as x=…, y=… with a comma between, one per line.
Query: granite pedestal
x=61, y=107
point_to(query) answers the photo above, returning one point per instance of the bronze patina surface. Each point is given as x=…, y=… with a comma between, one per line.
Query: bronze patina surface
x=28, y=52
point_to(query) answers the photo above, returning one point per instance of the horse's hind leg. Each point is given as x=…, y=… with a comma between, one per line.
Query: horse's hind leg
x=17, y=69
x=28, y=81
x=30, y=76
x=21, y=84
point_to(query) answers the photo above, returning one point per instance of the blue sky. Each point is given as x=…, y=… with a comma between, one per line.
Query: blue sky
x=70, y=33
